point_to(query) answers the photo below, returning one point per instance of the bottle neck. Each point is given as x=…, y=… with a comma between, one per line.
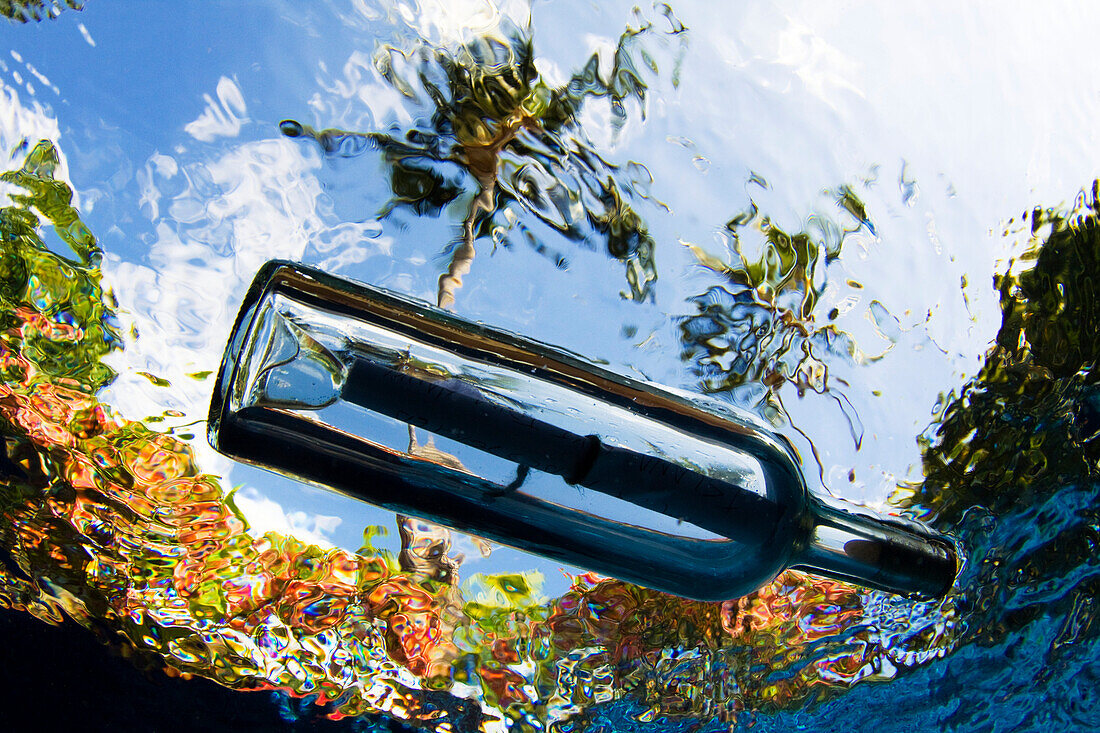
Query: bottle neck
x=876, y=553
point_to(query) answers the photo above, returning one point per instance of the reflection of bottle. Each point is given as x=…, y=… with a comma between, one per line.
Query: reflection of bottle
x=534, y=447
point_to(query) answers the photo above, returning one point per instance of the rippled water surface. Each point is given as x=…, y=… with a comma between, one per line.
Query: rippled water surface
x=874, y=226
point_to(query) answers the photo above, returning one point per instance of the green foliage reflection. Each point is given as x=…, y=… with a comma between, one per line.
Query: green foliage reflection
x=25, y=11
x=72, y=326
x=502, y=138
x=760, y=328
x=1012, y=463
x=1027, y=425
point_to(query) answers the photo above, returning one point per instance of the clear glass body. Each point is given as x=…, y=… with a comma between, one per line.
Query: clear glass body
x=412, y=409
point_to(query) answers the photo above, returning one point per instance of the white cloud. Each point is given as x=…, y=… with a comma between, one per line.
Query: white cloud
x=221, y=118
x=20, y=122
x=452, y=21
x=821, y=67
x=30, y=123
x=87, y=36
x=266, y=515
x=215, y=224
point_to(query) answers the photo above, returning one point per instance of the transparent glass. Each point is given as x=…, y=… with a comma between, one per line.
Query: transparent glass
x=412, y=409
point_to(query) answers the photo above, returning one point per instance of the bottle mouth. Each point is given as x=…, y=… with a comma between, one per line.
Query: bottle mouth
x=879, y=553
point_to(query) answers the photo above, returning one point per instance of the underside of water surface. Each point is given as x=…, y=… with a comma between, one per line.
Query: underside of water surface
x=785, y=210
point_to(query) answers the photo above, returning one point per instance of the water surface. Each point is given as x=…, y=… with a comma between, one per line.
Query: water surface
x=875, y=227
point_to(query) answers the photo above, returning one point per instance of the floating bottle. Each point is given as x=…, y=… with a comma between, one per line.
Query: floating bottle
x=413, y=409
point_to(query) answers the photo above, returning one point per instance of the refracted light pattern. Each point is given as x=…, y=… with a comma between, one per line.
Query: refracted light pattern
x=113, y=524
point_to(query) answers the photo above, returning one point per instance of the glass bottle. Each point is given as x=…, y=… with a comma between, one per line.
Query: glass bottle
x=411, y=408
